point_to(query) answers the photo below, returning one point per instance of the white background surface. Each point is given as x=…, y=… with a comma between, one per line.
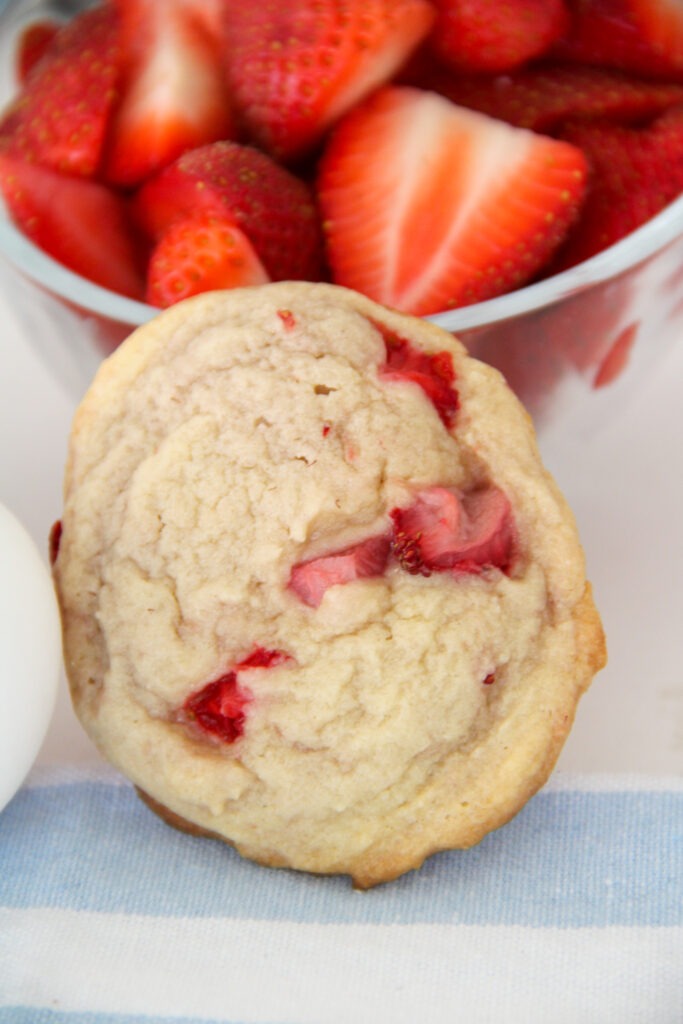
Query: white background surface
x=625, y=485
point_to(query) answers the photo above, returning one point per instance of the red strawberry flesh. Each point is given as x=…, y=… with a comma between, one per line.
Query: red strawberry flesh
x=443, y=530
x=219, y=708
x=174, y=95
x=309, y=580
x=428, y=206
x=433, y=372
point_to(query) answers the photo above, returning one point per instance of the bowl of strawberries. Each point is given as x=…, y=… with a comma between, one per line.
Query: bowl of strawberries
x=512, y=171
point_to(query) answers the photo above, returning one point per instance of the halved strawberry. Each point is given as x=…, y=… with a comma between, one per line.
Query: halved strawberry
x=78, y=222
x=542, y=96
x=275, y=209
x=470, y=35
x=428, y=206
x=309, y=580
x=433, y=372
x=635, y=35
x=635, y=174
x=61, y=116
x=296, y=67
x=443, y=530
x=33, y=43
x=174, y=97
x=200, y=254
x=219, y=708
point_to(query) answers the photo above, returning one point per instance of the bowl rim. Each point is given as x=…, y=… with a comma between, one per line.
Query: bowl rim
x=625, y=255
x=93, y=299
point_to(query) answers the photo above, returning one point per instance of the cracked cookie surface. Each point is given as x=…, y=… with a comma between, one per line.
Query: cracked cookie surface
x=245, y=441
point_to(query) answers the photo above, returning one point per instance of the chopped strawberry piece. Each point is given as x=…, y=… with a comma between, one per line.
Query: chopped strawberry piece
x=33, y=43
x=54, y=540
x=433, y=372
x=296, y=67
x=644, y=36
x=428, y=206
x=442, y=531
x=61, y=116
x=636, y=172
x=174, y=96
x=543, y=96
x=78, y=222
x=275, y=209
x=219, y=708
x=200, y=254
x=309, y=580
x=469, y=35
x=288, y=318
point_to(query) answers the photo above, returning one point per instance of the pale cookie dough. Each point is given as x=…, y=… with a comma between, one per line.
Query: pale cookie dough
x=242, y=435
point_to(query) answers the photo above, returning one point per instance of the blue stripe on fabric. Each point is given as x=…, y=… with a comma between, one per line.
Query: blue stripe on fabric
x=569, y=859
x=40, y=1015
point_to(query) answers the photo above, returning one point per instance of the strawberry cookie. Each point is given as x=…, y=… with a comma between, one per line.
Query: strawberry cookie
x=319, y=596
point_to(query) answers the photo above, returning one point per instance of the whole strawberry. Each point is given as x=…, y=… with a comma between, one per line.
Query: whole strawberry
x=635, y=173
x=274, y=209
x=296, y=67
x=61, y=117
x=635, y=35
x=199, y=254
x=476, y=35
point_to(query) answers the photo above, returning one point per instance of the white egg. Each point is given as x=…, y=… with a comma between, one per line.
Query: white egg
x=30, y=653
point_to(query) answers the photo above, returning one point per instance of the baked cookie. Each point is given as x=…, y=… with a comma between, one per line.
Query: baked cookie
x=319, y=596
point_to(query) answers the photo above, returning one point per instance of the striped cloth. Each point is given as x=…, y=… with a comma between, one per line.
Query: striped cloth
x=571, y=914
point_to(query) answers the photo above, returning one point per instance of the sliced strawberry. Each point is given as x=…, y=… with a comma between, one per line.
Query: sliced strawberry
x=275, y=209
x=429, y=206
x=433, y=372
x=33, y=43
x=543, y=96
x=442, y=531
x=636, y=35
x=219, y=708
x=200, y=254
x=635, y=174
x=470, y=36
x=78, y=222
x=61, y=116
x=175, y=96
x=309, y=580
x=296, y=67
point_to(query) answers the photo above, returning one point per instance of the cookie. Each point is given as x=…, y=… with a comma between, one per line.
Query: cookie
x=319, y=596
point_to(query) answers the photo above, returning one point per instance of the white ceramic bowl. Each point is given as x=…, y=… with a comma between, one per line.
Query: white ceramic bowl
x=30, y=653
x=573, y=346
